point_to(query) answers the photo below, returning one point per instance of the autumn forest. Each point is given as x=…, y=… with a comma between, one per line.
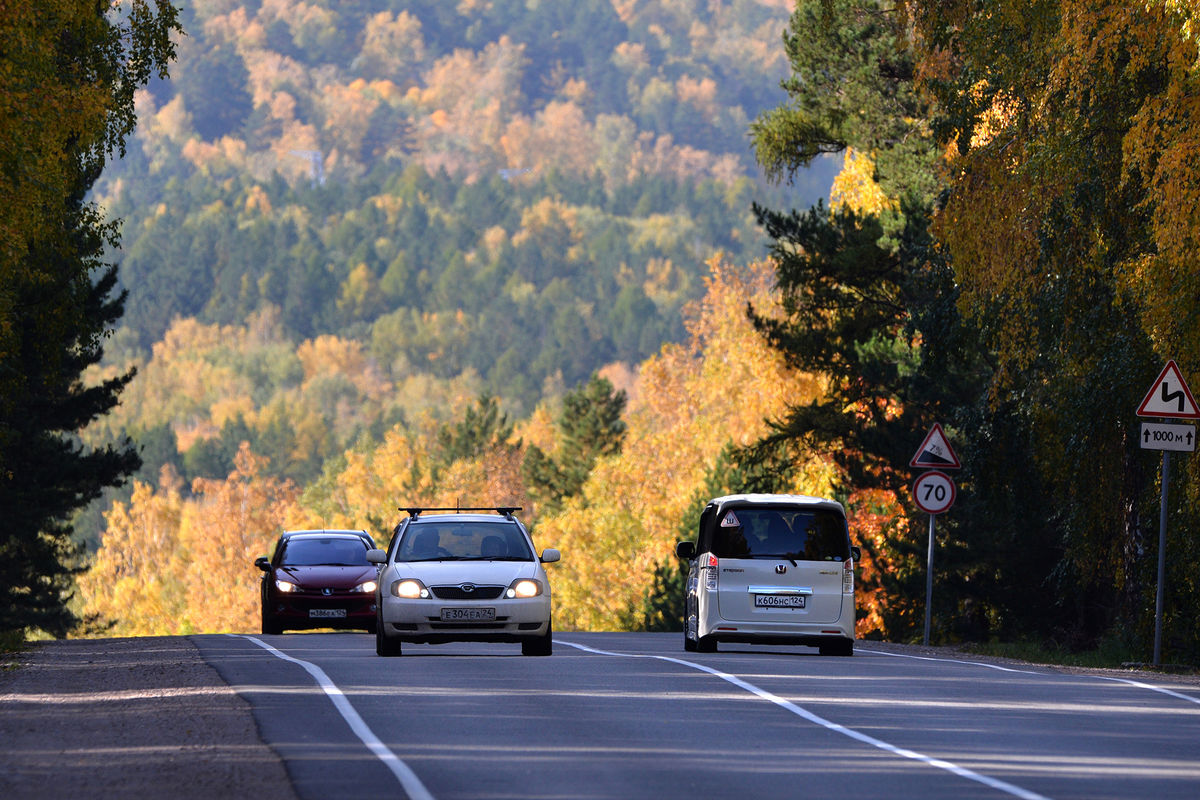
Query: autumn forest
x=606, y=259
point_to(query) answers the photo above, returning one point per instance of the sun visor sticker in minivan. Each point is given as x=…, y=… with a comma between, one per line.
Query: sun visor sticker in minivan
x=730, y=521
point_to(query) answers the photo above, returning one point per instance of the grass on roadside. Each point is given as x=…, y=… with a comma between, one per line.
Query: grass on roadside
x=11, y=643
x=1111, y=653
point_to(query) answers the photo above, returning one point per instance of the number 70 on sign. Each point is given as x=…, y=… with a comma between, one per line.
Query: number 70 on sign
x=934, y=492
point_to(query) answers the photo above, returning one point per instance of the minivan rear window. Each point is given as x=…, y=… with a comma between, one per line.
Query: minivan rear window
x=800, y=534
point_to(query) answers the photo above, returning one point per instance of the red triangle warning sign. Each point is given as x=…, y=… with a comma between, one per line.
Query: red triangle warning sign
x=1169, y=396
x=936, y=451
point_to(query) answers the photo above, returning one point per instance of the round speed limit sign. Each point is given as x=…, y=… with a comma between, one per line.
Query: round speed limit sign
x=934, y=492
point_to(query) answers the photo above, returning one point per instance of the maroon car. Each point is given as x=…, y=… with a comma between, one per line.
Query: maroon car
x=319, y=579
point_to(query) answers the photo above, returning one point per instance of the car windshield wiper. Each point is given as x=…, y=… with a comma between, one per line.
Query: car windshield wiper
x=492, y=558
x=789, y=556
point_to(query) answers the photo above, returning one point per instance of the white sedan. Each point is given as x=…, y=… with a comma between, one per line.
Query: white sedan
x=468, y=575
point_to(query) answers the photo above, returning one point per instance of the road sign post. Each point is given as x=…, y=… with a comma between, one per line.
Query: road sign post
x=934, y=493
x=1169, y=398
x=1160, y=590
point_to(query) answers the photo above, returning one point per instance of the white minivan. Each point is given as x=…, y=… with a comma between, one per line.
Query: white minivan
x=771, y=568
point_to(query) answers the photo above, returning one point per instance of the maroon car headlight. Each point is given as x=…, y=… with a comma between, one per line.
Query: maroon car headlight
x=286, y=586
x=410, y=588
x=367, y=587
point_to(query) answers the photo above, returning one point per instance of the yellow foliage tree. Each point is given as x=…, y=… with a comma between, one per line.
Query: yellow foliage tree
x=378, y=481
x=393, y=46
x=230, y=523
x=170, y=565
x=720, y=386
x=855, y=187
x=131, y=584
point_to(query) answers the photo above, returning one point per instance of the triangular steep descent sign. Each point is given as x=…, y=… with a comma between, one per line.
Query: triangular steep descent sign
x=1169, y=396
x=935, y=451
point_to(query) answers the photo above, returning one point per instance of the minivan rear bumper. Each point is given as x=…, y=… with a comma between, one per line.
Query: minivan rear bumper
x=812, y=633
x=748, y=632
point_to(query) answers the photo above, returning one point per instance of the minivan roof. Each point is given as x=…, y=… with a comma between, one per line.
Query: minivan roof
x=774, y=499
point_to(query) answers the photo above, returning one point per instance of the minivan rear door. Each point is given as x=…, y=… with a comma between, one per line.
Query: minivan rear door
x=781, y=564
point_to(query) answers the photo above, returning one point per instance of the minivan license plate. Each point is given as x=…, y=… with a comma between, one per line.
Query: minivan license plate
x=779, y=600
x=468, y=614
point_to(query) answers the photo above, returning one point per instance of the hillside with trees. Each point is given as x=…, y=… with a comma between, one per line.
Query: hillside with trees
x=340, y=216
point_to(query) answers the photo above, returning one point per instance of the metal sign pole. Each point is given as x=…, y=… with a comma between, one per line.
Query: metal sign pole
x=1162, y=559
x=929, y=579
x=1169, y=399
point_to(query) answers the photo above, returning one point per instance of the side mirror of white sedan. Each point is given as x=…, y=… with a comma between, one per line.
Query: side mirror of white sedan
x=550, y=555
x=377, y=556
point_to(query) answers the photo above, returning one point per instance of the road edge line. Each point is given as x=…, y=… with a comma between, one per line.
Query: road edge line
x=408, y=779
x=816, y=719
x=1128, y=681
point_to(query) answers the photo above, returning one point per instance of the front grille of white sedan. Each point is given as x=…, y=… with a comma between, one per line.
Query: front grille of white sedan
x=461, y=592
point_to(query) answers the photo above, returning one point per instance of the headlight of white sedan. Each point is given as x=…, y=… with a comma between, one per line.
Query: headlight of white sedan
x=410, y=588
x=524, y=587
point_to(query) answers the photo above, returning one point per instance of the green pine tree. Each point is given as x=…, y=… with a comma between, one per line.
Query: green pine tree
x=590, y=427
x=59, y=298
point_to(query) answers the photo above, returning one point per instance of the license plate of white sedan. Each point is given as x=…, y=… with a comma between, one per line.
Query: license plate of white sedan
x=326, y=613
x=779, y=600
x=468, y=615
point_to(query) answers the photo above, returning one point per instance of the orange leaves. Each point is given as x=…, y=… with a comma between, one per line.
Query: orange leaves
x=720, y=386
x=42, y=116
x=230, y=524
x=393, y=45
x=855, y=187
x=1162, y=151
x=172, y=565
x=347, y=111
x=700, y=94
x=875, y=516
x=131, y=581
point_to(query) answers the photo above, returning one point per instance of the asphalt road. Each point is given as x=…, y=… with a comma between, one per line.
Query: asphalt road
x=633, y=716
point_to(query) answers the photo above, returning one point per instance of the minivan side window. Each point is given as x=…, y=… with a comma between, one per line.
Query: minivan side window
x=704, y=529
x=803, y=534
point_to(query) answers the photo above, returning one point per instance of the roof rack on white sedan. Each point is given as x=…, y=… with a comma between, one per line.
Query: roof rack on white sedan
x=508, y=511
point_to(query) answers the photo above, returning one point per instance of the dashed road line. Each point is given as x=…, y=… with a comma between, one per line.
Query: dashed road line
x=803, y=713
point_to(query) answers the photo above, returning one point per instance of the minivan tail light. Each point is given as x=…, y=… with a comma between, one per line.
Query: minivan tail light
x=848, y=576
x=710, y=579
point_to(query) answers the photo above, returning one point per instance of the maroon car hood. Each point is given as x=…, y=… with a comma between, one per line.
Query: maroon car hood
x=327, y=577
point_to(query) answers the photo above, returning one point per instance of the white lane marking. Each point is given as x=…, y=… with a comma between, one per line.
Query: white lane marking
x=408, y=779
x=1151, y=687
x=951, y=661
x=804, y=713
x=1137, y=684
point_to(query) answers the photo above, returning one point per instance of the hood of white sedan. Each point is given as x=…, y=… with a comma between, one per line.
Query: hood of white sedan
x=451, y=573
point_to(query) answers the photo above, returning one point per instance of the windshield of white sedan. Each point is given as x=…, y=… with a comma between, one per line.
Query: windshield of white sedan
x=430, y=540
x=325, y=552
x=781, y=533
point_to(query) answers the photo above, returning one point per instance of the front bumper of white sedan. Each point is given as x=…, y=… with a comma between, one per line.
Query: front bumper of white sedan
x=483, y=613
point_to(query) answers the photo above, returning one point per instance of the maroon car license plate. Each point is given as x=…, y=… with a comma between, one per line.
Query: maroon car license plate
x=327, y=613
x=468, y=615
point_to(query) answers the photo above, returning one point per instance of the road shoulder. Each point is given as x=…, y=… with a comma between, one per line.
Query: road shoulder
x=135, y=717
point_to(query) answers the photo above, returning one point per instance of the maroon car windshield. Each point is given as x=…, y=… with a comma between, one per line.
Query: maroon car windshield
x=327, y=551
